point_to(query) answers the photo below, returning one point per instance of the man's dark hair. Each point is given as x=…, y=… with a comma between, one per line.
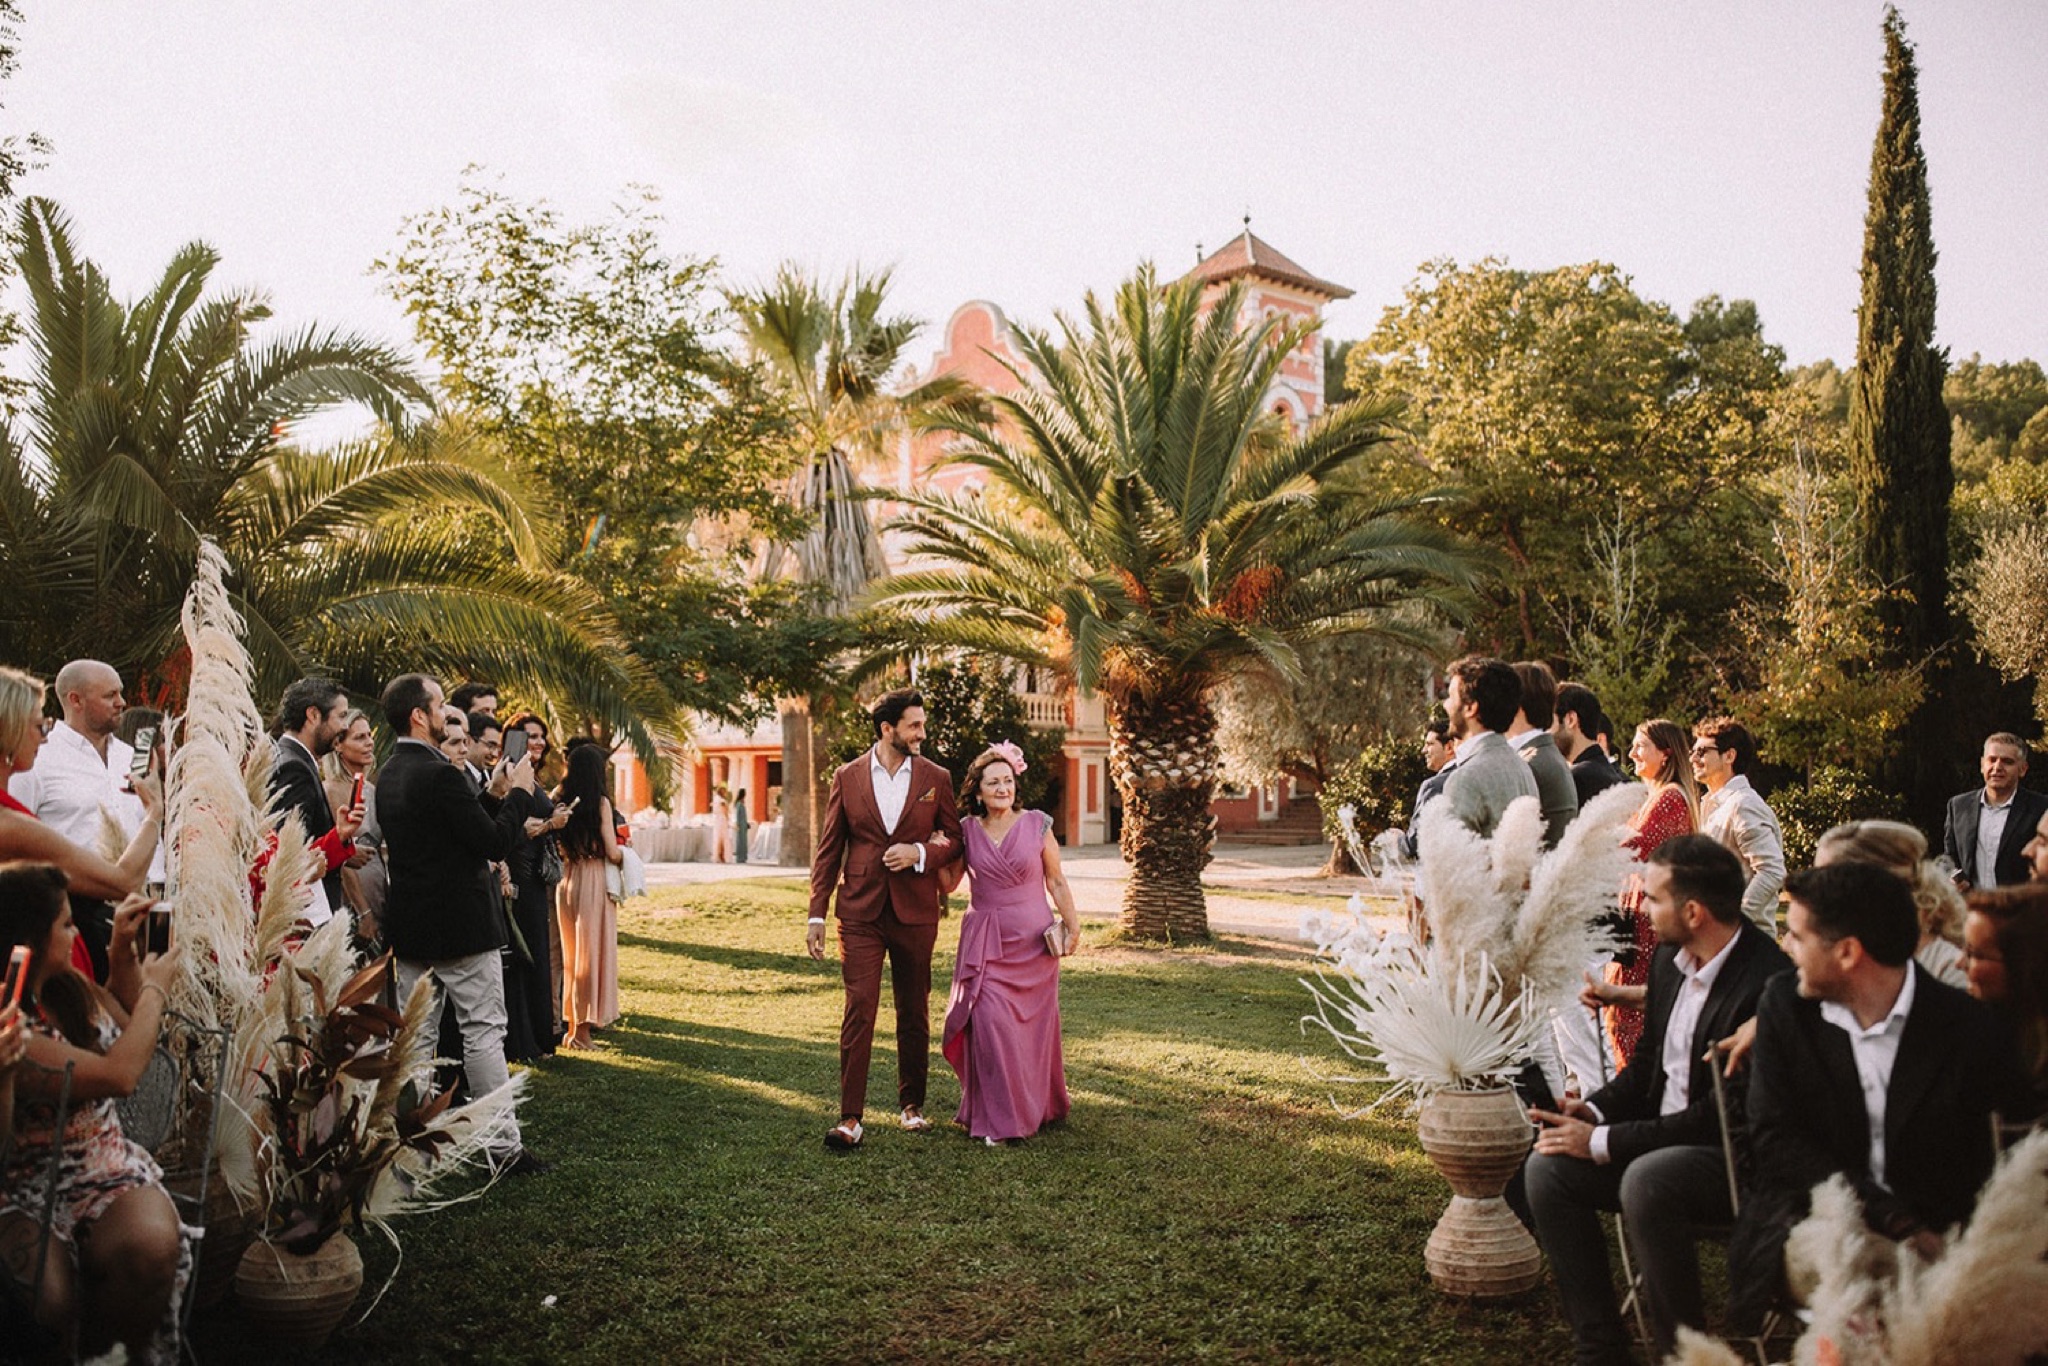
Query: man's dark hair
x=1439, y=726
x=1539, y=692
x=403, y=696
x=1862, y=901
x=1726, y=733
x=482, y=723
x=1576, y=699
x=464, y=698
x=889, y=708
x=1704, y=870
x=308, y=694
x=1491, y=684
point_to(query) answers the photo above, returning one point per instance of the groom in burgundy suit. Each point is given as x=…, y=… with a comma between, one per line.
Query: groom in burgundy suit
x=889, y=826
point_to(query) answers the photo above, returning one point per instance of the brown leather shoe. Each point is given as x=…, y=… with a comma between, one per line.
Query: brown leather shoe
x=914, y=1121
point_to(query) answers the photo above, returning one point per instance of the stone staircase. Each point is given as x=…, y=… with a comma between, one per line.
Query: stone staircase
x=1299, y=823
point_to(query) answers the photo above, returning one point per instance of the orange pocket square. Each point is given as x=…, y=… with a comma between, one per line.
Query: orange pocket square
x=931, y=794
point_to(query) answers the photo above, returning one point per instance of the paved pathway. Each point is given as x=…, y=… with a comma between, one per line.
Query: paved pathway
x=1255, y=890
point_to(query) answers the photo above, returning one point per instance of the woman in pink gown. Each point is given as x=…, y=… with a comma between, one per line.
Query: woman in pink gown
x=1002, y=1031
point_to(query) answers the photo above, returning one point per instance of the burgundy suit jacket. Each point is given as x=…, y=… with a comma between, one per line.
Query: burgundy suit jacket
x=851, y=842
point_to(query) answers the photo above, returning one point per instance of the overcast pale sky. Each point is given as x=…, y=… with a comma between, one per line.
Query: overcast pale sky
x=1026, y=153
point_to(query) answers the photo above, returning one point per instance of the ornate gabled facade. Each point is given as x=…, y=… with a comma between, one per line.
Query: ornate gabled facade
x=977, y=345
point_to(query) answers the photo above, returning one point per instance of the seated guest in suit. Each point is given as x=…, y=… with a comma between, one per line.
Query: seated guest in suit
x=1648, y=1144
x=2005, y=953
x=1481, y=700
x=1903, y=849
x=1866, y=1066
x=1989, y=827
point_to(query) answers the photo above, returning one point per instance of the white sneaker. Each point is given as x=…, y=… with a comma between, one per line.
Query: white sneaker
x=915, y=1123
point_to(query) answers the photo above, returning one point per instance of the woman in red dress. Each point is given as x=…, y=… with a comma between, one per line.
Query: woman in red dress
x=1672, y=807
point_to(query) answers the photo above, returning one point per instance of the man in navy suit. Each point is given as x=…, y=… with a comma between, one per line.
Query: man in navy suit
x=1648, y=1144
x=1867, y=1067
x=1988, y=827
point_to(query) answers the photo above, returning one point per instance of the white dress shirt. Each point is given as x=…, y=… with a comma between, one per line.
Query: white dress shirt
x=1738, y=817
x=892, y=793
x=1875, y=1049
x=1676, y=1054
x=71, y=785
x=1990, y=834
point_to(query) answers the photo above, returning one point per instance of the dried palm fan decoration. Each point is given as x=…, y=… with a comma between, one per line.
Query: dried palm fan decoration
x=1984, y=1300
x=1459, y=998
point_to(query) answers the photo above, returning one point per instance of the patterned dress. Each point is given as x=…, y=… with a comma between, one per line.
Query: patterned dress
x=1663, y=817
x=96, y=1164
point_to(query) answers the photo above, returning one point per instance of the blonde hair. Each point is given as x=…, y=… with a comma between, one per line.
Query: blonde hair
x=330, y=762
x=21, y=706
x=1902, y=849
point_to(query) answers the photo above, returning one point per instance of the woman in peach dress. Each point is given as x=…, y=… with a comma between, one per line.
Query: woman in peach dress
x=584, y=907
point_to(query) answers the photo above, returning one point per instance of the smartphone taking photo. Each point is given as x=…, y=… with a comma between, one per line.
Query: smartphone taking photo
x=17, y=977
x=157, y=935
x=145, y=748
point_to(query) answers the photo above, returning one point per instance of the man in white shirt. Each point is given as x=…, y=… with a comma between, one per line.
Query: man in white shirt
x=79, y=778
x=1867, y=1067
x=1989, y=827
x=1648, y=1144
x=1723, y=757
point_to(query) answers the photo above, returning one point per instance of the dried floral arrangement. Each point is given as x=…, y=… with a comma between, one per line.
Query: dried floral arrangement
x=1494, y=932
x=1985, y=1299
x=328, y=1116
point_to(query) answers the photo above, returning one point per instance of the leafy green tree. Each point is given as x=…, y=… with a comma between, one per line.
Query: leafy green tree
x=829, y=355
x=1996, y=412
x=1562, y=408
x=1158, y=529
x=591, y=356
x=153, y=424
x=2006, y=596
x=19, y=154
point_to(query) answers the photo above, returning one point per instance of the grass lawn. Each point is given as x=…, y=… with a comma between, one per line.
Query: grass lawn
x=1203, y=1202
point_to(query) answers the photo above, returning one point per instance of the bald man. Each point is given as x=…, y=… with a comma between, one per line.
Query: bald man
x=81, y=773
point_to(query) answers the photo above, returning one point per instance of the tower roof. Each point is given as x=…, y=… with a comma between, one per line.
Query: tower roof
x=1248, y=254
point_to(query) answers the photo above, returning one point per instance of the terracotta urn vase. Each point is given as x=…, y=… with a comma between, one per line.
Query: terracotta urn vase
x=1478, y=1139
x=296, y=1300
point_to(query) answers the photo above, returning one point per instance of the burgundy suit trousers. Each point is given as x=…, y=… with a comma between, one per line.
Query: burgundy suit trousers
x=862, y=947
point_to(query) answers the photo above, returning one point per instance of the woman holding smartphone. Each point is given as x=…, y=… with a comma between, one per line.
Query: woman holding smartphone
x=117, y=1260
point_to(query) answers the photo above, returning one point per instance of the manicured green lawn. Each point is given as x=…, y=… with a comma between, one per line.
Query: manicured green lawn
x=1203, y=1203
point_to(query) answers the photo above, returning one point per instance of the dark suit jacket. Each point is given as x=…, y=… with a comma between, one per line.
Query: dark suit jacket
x=1807, y=1122
x=440, y=837
x=295, y=786
x=851, y=841
x=1593, y=773
x=1630, y=1102
x=1959, y=834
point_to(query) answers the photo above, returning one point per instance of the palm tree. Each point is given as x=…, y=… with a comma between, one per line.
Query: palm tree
x=830, y=356
x=1154, y=527
x=152, y=425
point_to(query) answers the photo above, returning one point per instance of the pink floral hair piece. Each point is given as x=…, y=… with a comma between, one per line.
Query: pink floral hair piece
x=1012, y=755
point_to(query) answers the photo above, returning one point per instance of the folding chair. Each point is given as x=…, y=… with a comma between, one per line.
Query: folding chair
x=174, y=1112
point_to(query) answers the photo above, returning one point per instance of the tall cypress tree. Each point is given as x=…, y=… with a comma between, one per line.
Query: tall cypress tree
x=1899, y=432
x=1898, y=425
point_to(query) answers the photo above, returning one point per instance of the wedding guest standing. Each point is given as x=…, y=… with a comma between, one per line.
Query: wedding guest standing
x=537, y=869
x=740, y=822
x=353, y=759
x=588, y=915
x=1670, y=808
x=1002, y=1030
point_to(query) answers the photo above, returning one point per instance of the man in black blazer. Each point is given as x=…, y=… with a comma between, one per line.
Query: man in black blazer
x=1648, y=1144
x=1988, y=827
x=1578, y=720
x=309, y=721
x=1867, y=1067
x=441, y=836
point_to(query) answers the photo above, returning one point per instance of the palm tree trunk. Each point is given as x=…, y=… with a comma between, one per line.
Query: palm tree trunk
x=1163, y=757
x=799, y=784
